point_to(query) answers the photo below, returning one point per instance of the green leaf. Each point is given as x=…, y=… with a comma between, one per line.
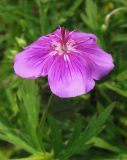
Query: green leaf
x=56, y=136
x=9, y=134
x=122, y=76
x=119, y=157
x=119, y=38
x=14, y=139
x=120, y=89
x=71, y=11
x=96, y=124
x=90, y=19
x=73, y=8
x=39, y=156
x=100, y=143
x=29, y=94
x=76, y=132
x=29, y=103
x=94, y=127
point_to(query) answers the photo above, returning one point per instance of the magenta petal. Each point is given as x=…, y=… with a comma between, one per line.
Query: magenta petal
x=87, y=38
x=101, y=62
x=33, y=63
x=43, y=42
x=69, y=78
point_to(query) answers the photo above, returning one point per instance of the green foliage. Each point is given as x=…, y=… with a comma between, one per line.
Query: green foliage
x=100, y=143
x=80, y=138
x=8, y=134
x=29, y=110
x=56, y=136
x=90, y=19
x=39, y=156
x=70, y=129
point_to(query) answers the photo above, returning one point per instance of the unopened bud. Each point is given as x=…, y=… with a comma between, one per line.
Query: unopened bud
x=104, y=27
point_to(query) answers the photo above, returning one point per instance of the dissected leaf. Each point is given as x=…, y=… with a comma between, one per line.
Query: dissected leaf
x=90, y=18
x=100, y=143
x=56, y=136
x=94, y=127
x=28, y=94
x=9, y=134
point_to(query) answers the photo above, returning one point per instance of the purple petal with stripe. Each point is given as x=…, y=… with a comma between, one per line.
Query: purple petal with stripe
x=70, y=78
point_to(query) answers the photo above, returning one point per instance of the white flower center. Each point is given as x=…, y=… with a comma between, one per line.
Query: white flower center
x=63, y=49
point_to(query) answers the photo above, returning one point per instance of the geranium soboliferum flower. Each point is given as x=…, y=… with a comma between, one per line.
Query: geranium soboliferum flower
x=71, y=60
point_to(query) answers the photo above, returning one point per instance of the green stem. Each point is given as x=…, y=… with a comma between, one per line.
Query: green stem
x=44, y=116
x=107, y=18
x=42, y=14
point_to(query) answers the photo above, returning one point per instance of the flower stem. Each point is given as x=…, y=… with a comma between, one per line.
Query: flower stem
x=107, y=18
x=44, y=116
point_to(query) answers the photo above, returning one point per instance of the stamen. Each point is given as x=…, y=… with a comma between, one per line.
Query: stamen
x=64, y=45
x=83, y=41
x=70, y=33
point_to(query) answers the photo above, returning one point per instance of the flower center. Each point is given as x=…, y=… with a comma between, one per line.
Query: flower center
x=63, y=49
x=64, y=44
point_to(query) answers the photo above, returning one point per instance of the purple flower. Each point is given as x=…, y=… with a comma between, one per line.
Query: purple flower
x=71, y=60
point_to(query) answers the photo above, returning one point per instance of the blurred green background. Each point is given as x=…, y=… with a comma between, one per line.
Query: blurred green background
x=22, y=22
